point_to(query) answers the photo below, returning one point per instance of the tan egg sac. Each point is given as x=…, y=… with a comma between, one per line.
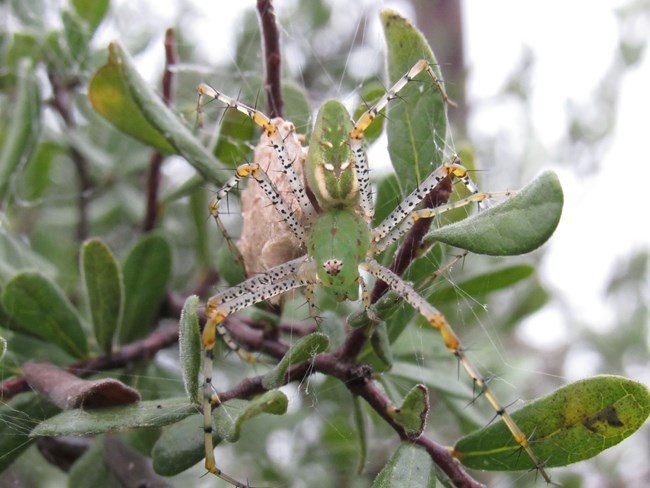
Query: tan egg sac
x=266, y=240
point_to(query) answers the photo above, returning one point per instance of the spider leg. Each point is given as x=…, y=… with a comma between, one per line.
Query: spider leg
x=252, y=291
x=360, y=126
x=400, y=220
x=253, y=170
x=452, y=342
x=271, y=130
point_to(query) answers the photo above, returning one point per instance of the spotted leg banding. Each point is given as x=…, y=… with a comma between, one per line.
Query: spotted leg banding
x=452, y=342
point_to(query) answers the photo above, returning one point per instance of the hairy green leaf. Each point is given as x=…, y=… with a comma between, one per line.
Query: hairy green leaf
x=230, y=417
x=574, y=423
x=412, y=415
x=410, y=466
x=189, y=342
x=24, y=127
x=304, y=349
x=102, y=279
x=417, y=121
x=40, y=308
x=519, y=225
x=154, y=413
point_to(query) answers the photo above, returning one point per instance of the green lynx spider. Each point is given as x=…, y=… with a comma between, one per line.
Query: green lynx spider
x=338, y=239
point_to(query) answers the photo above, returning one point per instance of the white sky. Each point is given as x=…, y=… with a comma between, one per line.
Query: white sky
x=600, y=224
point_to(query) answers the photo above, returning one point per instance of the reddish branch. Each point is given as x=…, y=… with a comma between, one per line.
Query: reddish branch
x=358, y=379
x=271, y=45
x=156, y=160
x=131, y=353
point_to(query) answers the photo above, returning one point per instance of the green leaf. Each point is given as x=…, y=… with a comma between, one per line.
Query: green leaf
x=40, y=308
x=296, y=106
x=360, y=424
x=37, y=174
x=370, y=93
x=235, y=135
x=380, y=344
x=146, y=272
x=125, y=84
x=482, y=284
x=433, y=379
x=410, y=466
x=201, y=240
x=77, y=35
x=388, y=197
x=104, y=289
x=384, y=307
x=230, y=417
x=154, y=413
x=305, y=348
x=417, y=121
x=92, y=11
x=230, y=265
x=520, y=225
x=16, y=255
x=24, y=128
x=112, y=98
x=189, y=342
x=412, y=415
x=180, y=446
x=574, y=423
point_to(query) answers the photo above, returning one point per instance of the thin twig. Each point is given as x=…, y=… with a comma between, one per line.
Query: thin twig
x=136, y=351
x=272, y=57
x=156, y=160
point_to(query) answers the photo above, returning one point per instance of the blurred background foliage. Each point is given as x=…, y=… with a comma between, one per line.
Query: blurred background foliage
x=66, y=175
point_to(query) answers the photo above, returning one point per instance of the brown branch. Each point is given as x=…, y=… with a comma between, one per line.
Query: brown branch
x=137, y=351
x=357, y=378
x=271, y=45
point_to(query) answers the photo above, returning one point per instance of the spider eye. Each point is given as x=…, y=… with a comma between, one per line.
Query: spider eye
x=333, y=266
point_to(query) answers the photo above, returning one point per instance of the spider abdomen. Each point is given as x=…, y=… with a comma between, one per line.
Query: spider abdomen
x=338, y=242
